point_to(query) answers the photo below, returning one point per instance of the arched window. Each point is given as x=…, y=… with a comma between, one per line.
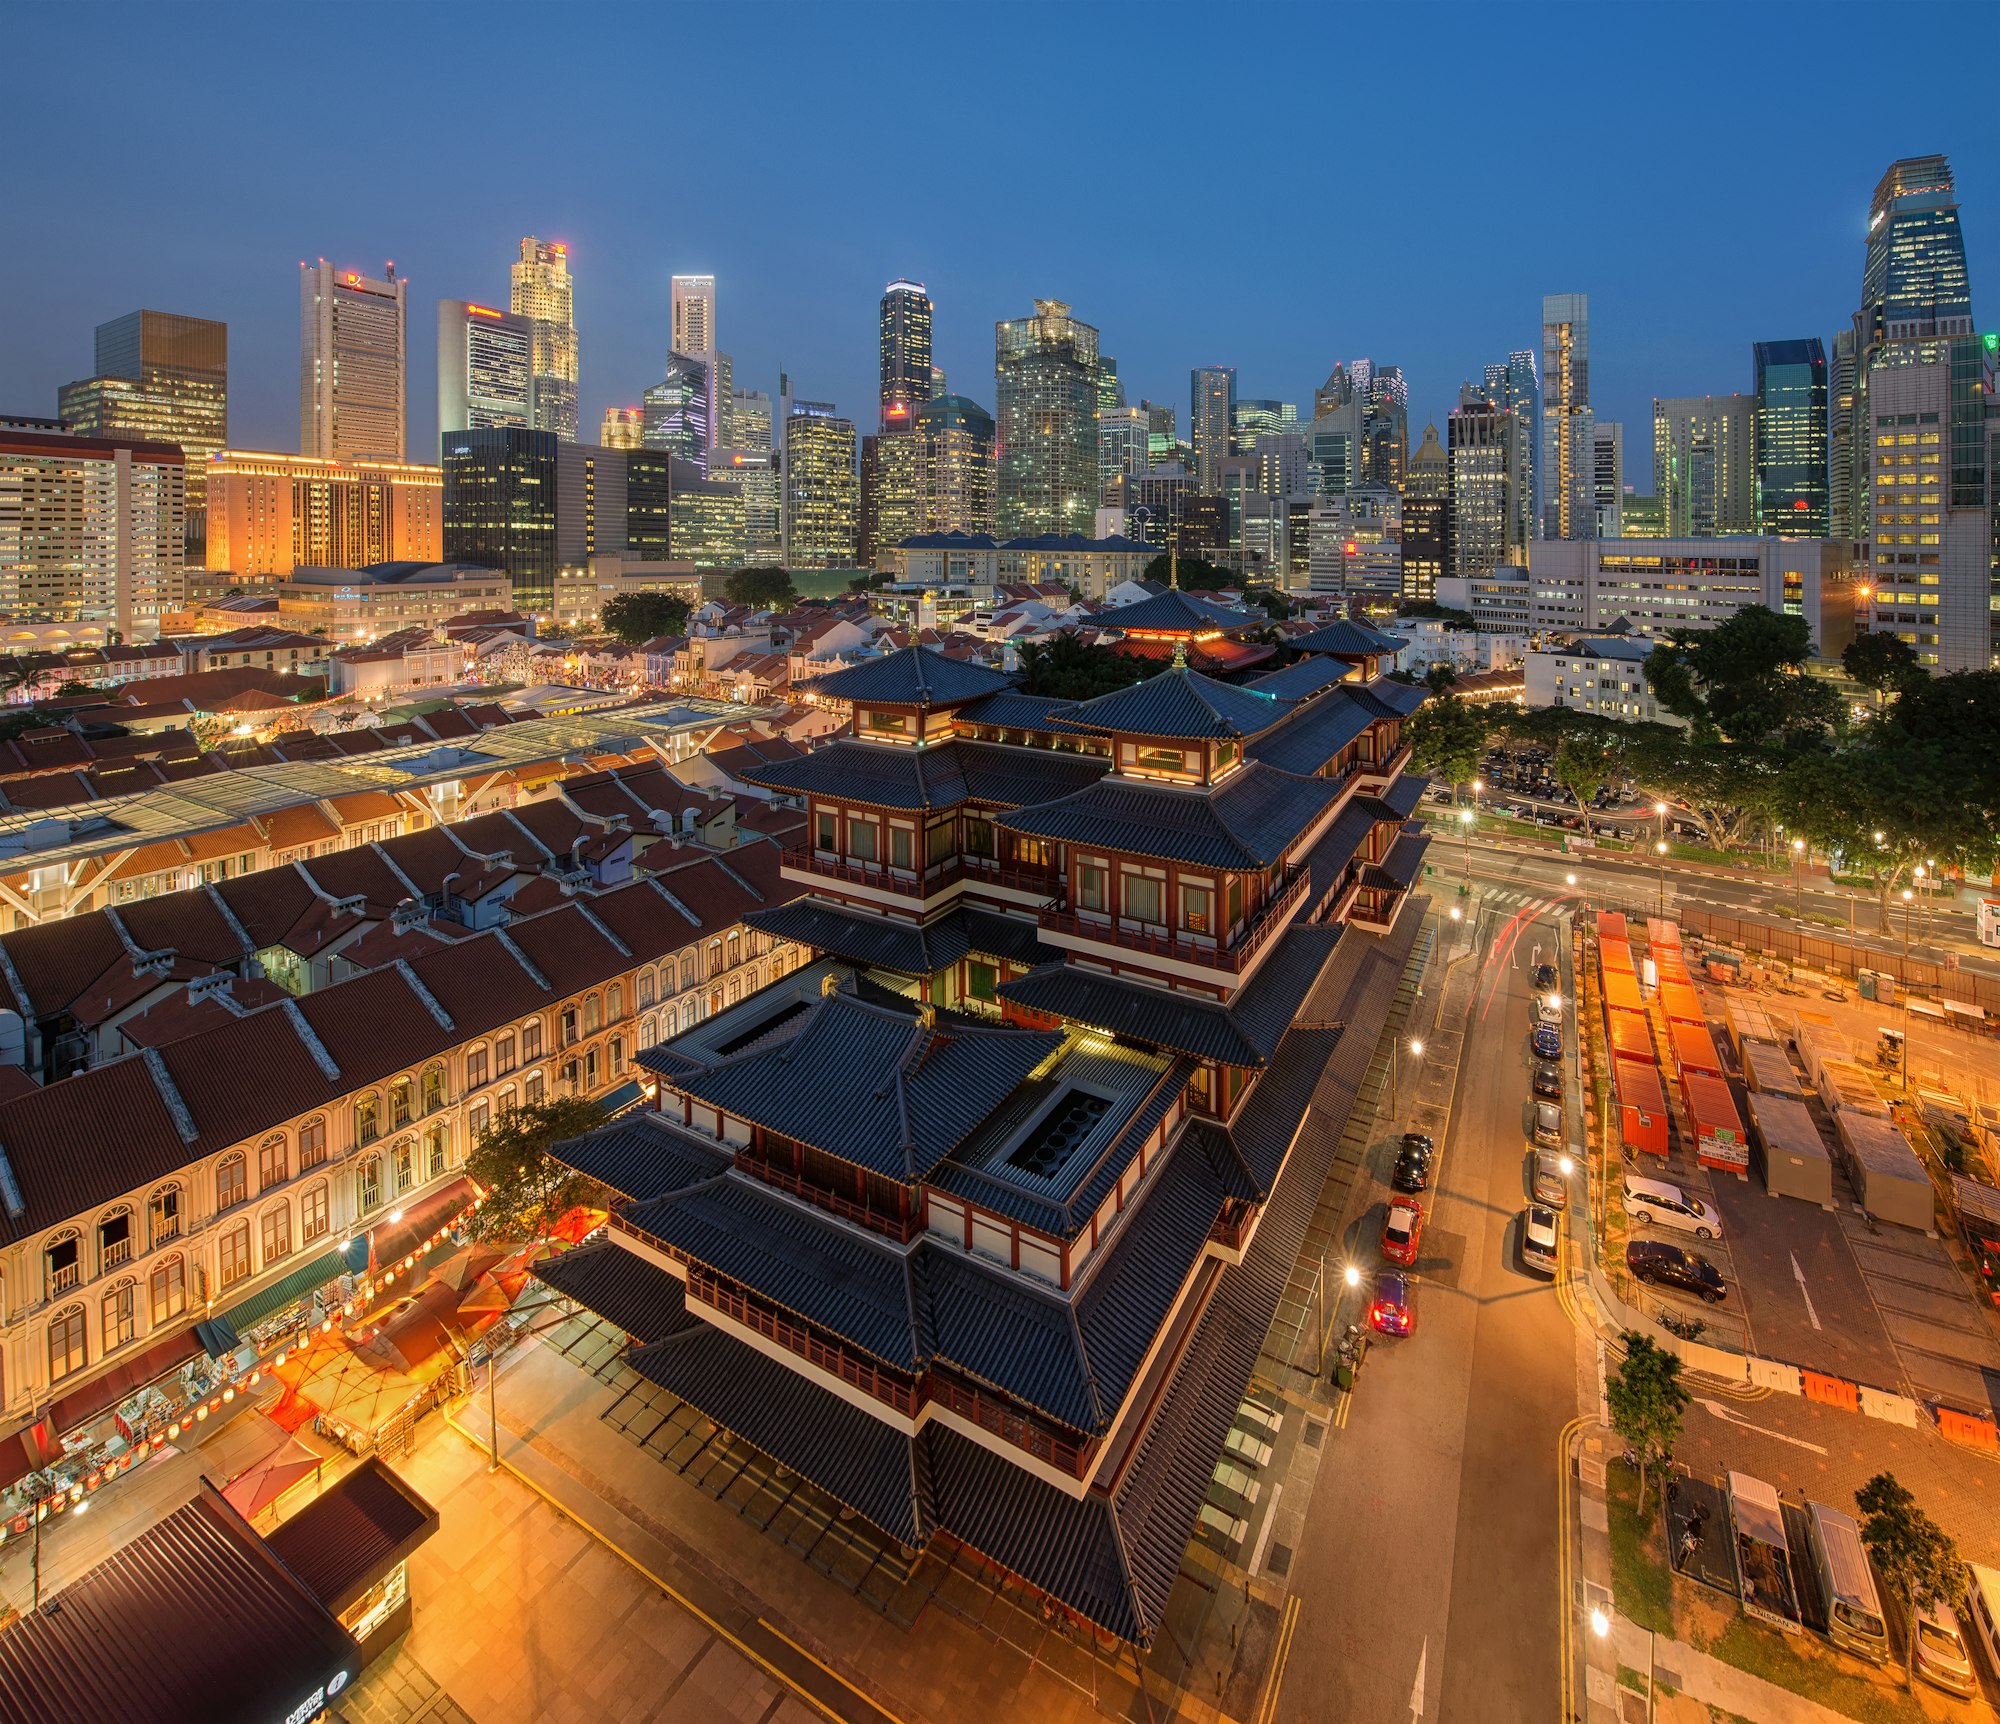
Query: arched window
x=273, y=1164
x=62, y=1262
x=119, y=1309
x=163, y=1215
x=735, y=950
x=401, y=1102
x=687, y=968
x=368, y=1184
x=648, y=1031
x=312, y=1143
x=114, y=1238
x=232, y=1181
x=646, y=995
x=66, y=1351
x=477, y=1066
x=166, y=1289
x=617, y=1056
x=436, y=1144
x=614, y=1002
x=367, y=1117
x=592, y=1015
x=433, y=1088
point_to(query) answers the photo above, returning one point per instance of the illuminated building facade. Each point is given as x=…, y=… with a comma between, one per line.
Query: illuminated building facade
x=694, y=336
x=541, y=292
x=1483, y=468
x=892, y=500
x=1568, y=491
x=270, y=514
x=160, y=378
x=1426, y=518
x=822, y=496
x=708, y=517
x=748, y=425
x=1789, y=440
x=1703, y=468
x=500, y=507
x=905, y=318
x=1250, y=420
x=1046, y=391
x=1211, y=413
x=1124, y=447
x=91, y=528
x=676, y=410
x=353, y=364
x=754, y=472
x=957, y=473
x=1607, y=441
x=623, y=428
x=486, y=367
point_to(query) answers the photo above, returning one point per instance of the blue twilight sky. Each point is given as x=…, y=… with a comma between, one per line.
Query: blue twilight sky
x=1269, y=186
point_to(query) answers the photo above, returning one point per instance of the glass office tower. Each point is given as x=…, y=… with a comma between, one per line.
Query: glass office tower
x=1789, y=434
x=1046, y=386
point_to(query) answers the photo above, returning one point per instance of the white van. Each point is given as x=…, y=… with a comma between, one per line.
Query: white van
x=1853, y=1607
x=1982, y=1608
x=1656, y=1201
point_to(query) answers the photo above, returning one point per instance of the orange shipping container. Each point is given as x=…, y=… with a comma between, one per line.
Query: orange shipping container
x=1621, y=991
x=1642, y=1106
x=1616, y=955
x=1694, y=1049
x=1631, y=1039
x=1681, y=1003
x=1610, y=925
x=1719, y=1140
x=1660, y=934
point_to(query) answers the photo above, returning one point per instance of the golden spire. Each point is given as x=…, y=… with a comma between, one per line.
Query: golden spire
x=1180, y=653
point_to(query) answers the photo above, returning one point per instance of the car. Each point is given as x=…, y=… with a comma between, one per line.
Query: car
x=1418, y=1143
x=1402, y=1227
x=1549, y=1009
x=1551, y=1183
x=1547, y=1042
x=1412, y=1172
x=1541, y=1239
x=1548, y=1080
x=1394, y=1310
x=1941, y=1658
x=1675, y=1266
x=1651, y=1201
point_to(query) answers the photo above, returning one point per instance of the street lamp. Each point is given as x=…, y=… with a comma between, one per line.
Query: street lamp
x=1661, y=849
x=1396, y=1070
x=1478, y=784
x=1465, y=823
x=1907, y=896
x=1798, y=877
x=1660, y=808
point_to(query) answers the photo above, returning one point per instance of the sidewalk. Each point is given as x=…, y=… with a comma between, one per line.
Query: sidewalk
x=1707, y=1679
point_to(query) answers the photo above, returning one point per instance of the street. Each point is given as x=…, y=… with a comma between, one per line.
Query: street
x=1428, y=1573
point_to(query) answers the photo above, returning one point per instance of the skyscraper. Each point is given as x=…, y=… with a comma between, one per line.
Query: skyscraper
x=542, y=293
x=1843, y=386
x=1426, y=517
x=1385, y=427
x=1788, y=434
x=1046, y=384
x=1333, y=441
x=694, y=315
x=1250, y=420
x=485, y=368
x=500, y=507
x=623, y=428
x=749, y=421
x=958, y=473
x=353, y=363
x=1607, y=468
x=892, y=507
x=1569, y=509
x=904, y=317
x=270, y=514
x=1703, y=470
x=1211, y=411
x=1914, y=287
x=1521, y=392
x=676, y=410
x=159, y=378
x=753, y=470
x=1484, y=472
x=1124, y=448
x=822, y=499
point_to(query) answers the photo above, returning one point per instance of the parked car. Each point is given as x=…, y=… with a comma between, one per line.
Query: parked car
x=1394, y=1311
x=1548, y=1081
x=1547, y=1042
x=1541, y=1233
x=1677, y=1267
x=1412, y=1171
x=1942, y=1659
x=1549, y=1009
x=1550, y=1185
x=1655, y=1201
x=1401, y=1229
x=1418, y=1143
x=1548, y=1126
x=1545, y=978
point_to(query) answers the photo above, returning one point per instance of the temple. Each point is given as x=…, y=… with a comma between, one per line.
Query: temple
x=978, y=1220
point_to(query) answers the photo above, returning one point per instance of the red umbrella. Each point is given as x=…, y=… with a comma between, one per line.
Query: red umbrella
x=255, y=1490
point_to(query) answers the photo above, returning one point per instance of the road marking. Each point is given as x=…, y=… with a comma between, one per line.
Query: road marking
x=772, y=1628
x=1799, y=1275
x=1417, y=1687
x=1267, y=1708
x=1565, y=1602
x=1718, y=1410
x=1270, y=1526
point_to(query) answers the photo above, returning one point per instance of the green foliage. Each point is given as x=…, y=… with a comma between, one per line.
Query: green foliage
x=1439, y=677
x=764, y=589
x=1882, y=662
x=527, y=1190
x=1447, y=738
x=1065, y=667
x=869, y=583
x=1195, y=572
x=1275, y=605
x=1430, y=609
x=1915, y=1555
x=636, y=618
x=1646, y=1399
x=1585, y=763
x=1744, y=680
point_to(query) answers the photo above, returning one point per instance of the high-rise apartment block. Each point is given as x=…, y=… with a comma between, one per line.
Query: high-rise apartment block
x=1211, y=414
x=1568, y=456
x=904, y=317
x=270, y=514
x=1520, y=391
x=1703, y=465
x=1046, y=387
x=822, y=494
x=958, y=473
x=486, y=368
x=353, y=364
x=1426, y=518
x=541, y=292
x=92, y=529
x=159, y=378
x=1788, y=434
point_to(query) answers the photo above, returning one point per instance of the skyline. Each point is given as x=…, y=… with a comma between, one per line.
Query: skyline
x=1453, y=280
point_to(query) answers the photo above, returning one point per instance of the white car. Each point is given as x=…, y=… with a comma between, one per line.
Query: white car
x=1541, y=1233
x=1549, y=1009
x=1654, y=1202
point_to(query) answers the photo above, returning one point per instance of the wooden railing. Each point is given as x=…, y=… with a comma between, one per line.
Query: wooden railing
x=995, y=872
x=1270, y=918
x=905, y=882
x=899, y=1228
x=1003, y=1419
x=828, y=1356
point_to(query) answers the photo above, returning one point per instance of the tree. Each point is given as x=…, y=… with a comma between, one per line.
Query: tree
x=1719, y=785
x=1430, y=608
x=636, y=618
x=1447, y=738
x=1882, y=662
x=1744, y=680
x=1646, y=1399
x=1193, y=572
x=1915, y=1555
x=1584, y=764
x=527, y=1190
x=763, y=589
x=1439, y=677
x=1066, y=667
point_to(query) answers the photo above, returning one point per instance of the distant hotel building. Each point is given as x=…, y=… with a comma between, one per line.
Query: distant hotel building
x=366, y=603
x=353, y=364
x=270, y=514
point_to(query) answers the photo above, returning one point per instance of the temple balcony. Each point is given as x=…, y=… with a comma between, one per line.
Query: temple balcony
x=1234, y=953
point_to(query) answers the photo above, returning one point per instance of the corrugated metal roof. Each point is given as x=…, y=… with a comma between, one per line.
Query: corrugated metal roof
x=353, y=1533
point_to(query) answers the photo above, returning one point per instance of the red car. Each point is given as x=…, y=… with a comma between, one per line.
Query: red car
x=1394, y=1311
x=1401, y=1229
